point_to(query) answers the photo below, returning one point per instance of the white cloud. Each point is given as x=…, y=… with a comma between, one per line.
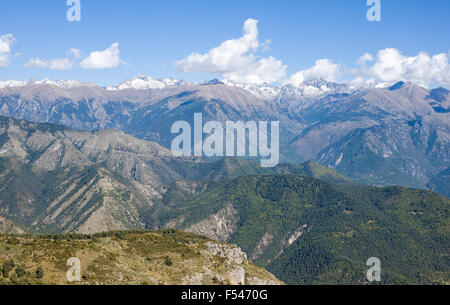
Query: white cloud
x=237, y=60
x=388, y=66
x=423, y=69
x=75, y=53
x=5, y=49
x=66, y=63
x=323, y=68
x=362, y=61
x=54, y=64
x=106, y=59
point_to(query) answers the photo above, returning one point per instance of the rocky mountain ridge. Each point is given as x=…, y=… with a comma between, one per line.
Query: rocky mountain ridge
x=403, y=127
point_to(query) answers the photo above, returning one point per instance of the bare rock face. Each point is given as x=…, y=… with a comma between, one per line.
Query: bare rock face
x=237, y=276
x=260, y=282
x=219, y=226
x=6, y=226
x=232, y=254
x=238, y=271
x=296, y=235
x=265, y=241
x=234, y=259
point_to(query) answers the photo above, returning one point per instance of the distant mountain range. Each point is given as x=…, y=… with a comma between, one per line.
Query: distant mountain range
x=381, y=135
x=310, y=88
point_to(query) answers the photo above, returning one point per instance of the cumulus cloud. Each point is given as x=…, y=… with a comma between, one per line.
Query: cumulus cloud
x=424, y=69
x=323, y=68
x=66, y=63
x=237, y=59
x=106, y=59
x=367, y=57
x=5, y=49
x=388, y=66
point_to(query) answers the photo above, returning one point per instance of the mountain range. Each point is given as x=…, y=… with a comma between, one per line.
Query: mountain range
x=379, y=135
x=305, y=223
x=55, y=179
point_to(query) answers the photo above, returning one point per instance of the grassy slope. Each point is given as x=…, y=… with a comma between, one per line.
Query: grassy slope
x=132, y=257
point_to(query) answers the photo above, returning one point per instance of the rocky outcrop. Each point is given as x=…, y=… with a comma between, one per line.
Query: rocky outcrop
x=232, y=254
x=219, y=226
x=260, y=282
x=237, y=268
x=296, y=235
x=7, y=226
x=265, y=241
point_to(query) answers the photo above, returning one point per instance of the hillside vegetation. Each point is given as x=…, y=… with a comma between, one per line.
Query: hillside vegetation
x=126, y=258
x=307, y=231
x=307, y=224
x=54, y=179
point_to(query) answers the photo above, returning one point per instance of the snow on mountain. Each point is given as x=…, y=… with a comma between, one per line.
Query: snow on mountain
x=66, y=84
x=12, y=83
x=264, y=91
x=307, y=89
x=144, y=82
x=283, y=93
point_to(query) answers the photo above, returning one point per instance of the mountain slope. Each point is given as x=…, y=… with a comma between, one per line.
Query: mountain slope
x=128, y=258
x=440, y=183
x=308, y=231
x=54, y=179
x=70, y=199
x=7, y=226
x=378, y=136
x=406, y=127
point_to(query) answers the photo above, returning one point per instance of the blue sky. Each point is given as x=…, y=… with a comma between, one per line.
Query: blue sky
x=152, y=35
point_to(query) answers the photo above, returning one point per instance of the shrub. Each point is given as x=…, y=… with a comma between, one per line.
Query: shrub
x=20, y=271
x=39, y=272
x=13, y=278
x=168, y=261
x=7, y=267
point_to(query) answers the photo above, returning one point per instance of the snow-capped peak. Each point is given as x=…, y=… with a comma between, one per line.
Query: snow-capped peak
x=307, y=89
x=265, y=91
x=66, y=84
x=143, y=82
x=318, y=87
x=12, y=83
